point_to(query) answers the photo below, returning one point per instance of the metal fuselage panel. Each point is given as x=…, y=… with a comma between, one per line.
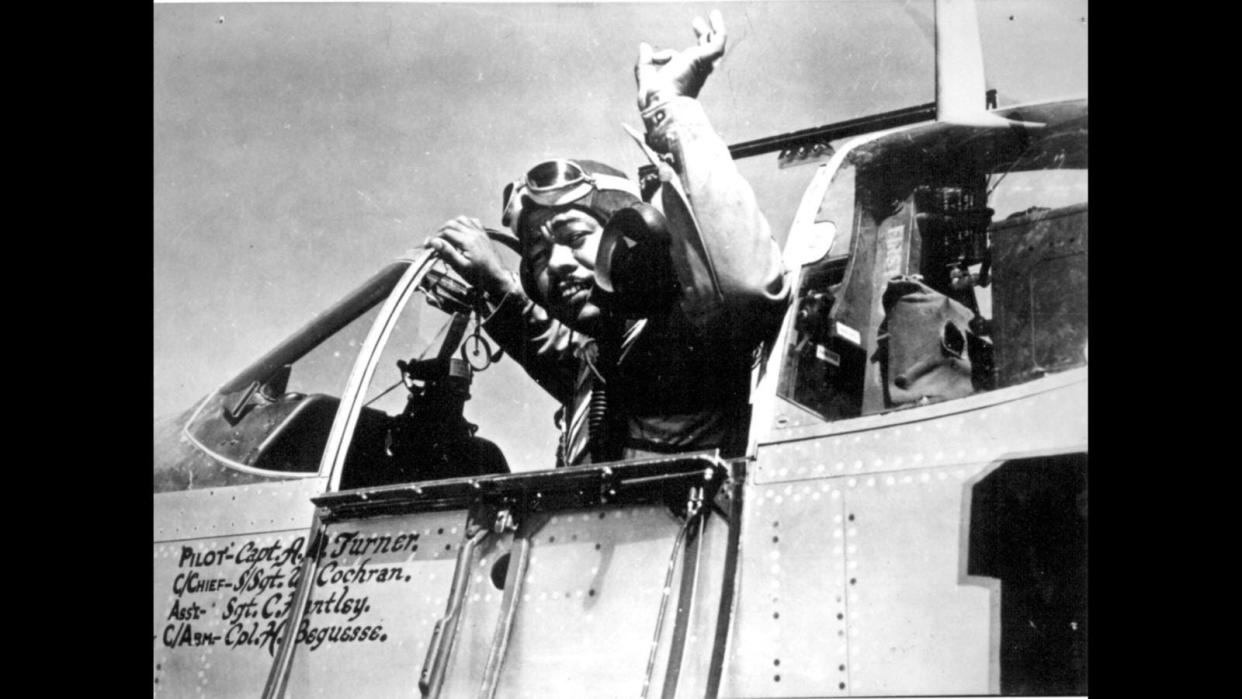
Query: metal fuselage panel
x=585, y=619
x=855, y=546
x=225, y=564
x=376, y=594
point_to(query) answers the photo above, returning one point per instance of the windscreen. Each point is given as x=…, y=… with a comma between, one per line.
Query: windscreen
x=273, y=419
x=444, y=401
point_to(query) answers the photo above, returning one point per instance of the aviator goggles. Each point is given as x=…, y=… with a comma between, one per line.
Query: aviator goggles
x=557, y=183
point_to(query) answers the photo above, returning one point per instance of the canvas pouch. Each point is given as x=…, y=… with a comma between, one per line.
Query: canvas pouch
x=923, y=345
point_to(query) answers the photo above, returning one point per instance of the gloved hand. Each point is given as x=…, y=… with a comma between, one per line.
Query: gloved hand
x=464, y=244
x=667, y=74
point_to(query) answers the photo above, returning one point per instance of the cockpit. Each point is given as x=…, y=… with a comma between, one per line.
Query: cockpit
x=952, y=260
x=940, y=279
x=942, y=261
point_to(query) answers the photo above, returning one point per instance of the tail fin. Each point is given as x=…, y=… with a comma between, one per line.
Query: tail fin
x=960, y=87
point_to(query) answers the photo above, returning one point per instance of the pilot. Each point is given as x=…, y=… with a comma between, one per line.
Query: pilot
x=677, y=379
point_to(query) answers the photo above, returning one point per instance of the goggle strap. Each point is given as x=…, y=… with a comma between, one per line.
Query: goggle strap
x=622, y=184
x=559, y=196
x=512, y=202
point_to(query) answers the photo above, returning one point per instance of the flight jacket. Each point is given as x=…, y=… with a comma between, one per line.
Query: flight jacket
x=683, y=383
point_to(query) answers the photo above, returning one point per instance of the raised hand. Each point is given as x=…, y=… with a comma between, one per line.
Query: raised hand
x=666, y=74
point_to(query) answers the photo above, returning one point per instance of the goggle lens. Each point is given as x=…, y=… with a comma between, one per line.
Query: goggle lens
x=554, y=174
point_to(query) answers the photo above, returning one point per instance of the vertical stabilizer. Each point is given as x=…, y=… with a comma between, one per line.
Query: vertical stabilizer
x=960, y=88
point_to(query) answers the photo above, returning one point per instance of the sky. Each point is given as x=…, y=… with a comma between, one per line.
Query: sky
x=299, y=147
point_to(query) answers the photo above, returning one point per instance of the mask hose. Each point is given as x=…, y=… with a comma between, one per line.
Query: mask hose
x=597, y=423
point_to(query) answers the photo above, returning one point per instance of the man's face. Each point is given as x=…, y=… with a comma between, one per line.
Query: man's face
x=561, y=255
